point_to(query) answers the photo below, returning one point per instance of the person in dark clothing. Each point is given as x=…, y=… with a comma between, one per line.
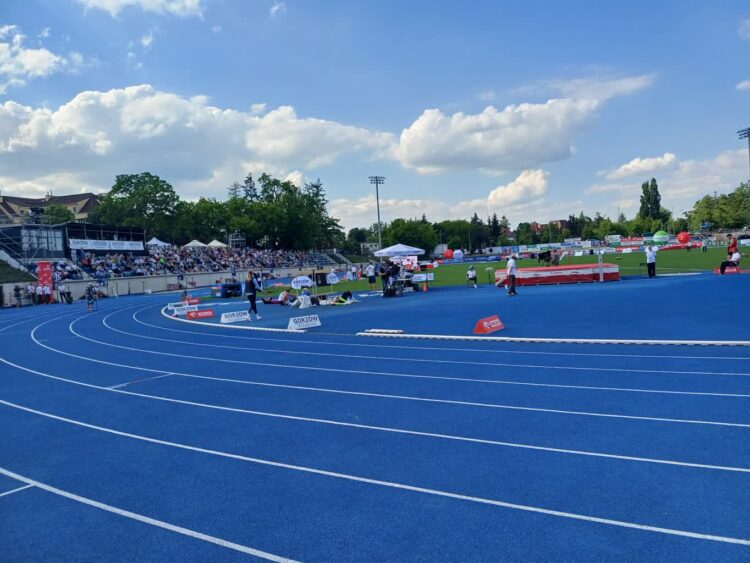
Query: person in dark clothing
x=252, y=285
x=90, y=297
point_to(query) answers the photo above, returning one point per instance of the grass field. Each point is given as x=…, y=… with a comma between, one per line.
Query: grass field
x=670, y=261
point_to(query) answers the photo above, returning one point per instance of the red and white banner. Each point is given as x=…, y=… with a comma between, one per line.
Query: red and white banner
x=582, y=273
x=488, y=325
x=192, y=301
x=204, y=314
x=44, y=275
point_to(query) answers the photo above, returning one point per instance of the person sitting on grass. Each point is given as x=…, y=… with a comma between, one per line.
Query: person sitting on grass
x=732, y=262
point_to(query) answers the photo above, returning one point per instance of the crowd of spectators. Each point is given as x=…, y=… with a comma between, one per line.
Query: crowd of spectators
x=181, y=261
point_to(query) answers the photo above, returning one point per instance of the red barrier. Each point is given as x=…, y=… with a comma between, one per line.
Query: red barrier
x=192, y=301
x=204, y=314
x=489, y=325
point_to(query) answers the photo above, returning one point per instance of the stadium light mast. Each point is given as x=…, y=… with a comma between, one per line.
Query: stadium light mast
x=745, y=134
x=377, y=180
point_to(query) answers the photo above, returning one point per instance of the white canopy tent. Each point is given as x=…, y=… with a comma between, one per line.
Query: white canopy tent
x=399, y=250
x=156, y=242
x=216, y=244
x=194, y=244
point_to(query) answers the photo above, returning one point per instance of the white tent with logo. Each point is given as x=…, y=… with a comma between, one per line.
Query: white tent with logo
x=156, y=242
x=399, y=250
x=216, y=244
x=194, y=244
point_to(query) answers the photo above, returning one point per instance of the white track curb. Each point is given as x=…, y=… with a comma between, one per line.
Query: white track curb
x=255, y=328
x=561, y=340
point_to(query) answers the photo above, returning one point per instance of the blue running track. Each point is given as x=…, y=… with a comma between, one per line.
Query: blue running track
x=127, y=436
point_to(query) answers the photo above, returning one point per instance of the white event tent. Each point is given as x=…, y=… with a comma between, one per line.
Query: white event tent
x=194, y=244
x=216, y=244
x=399, y=250
x=156, y=242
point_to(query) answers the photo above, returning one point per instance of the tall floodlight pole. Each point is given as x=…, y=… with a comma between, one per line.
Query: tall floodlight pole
x=745, y=134
x=377, y=180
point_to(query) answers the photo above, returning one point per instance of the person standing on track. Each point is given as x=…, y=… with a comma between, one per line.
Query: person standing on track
x=90, y=296
x=651, y=261
x=511, y=271
x=252, y=285
x=370, y=272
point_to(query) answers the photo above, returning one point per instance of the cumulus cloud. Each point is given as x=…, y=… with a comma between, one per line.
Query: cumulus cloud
x=198, y=147
x=642, y=166
x=179, y=8
x=514, y=200
x=495, y=141
x=744, y=85
x=18, y=64
x=684, y=183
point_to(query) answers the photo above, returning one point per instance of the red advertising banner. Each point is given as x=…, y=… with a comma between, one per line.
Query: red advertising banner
x=44, y=275
x=192, y=301
x=204, y=314
x=489, y=325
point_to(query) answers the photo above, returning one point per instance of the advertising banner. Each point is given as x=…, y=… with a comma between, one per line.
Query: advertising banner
x=44, y=275
x=234, y=317
x=204, y=314
x=299, y=323
x=105, y=245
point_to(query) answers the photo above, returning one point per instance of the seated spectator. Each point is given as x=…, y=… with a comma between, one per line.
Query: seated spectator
x=733, y=262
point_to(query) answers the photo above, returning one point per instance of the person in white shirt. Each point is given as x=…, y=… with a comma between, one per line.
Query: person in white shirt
x=47, y=294
x=733, y=262
x=471, y=276
x=370, y=272
x=511, y=271
x=39, y=291
x=651, y=261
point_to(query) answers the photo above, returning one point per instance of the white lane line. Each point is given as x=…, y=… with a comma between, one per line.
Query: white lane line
x=433, y=348
x=348, y=356
x=6, y=493
x=358, y=479
x=385, y=428
x=444, y=378
x=142, y=380
x=376, y=395
x=535, y=340
x=135, y=516
x=240, y=327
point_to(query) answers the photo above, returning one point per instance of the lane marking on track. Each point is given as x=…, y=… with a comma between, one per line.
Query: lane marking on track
x=443, y=378
x=433, y=348
x=375, y=395
x=383, y=428
x=138, y=517
x=348, y=477
x=141, y=380
x=533, y=366
x=17, y=490
x=241, y=327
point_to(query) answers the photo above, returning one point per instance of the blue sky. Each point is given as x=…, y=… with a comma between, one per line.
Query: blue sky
x=533, y=110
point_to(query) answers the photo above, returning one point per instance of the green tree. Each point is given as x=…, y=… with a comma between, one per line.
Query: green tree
x=412, y=232
x=58, y=214
x=139, y=200
x=650, y=200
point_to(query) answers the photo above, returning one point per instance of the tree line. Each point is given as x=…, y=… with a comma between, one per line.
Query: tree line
x=273, y=213
x=270, y=213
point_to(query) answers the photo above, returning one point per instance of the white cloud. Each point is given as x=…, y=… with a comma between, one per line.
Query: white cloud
x=216, y=29
x=519, y=199
x=19, y=64
x=683, y=184
x=744, y=29
x=515, y=138
x=45, y=33
x=744, y=85
x=487, y=96
x=179, y=8
x=198, y=147
x=603, y=87
x=277, y=8
x=518, y=137
x=147, y=40
x=642, y=166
